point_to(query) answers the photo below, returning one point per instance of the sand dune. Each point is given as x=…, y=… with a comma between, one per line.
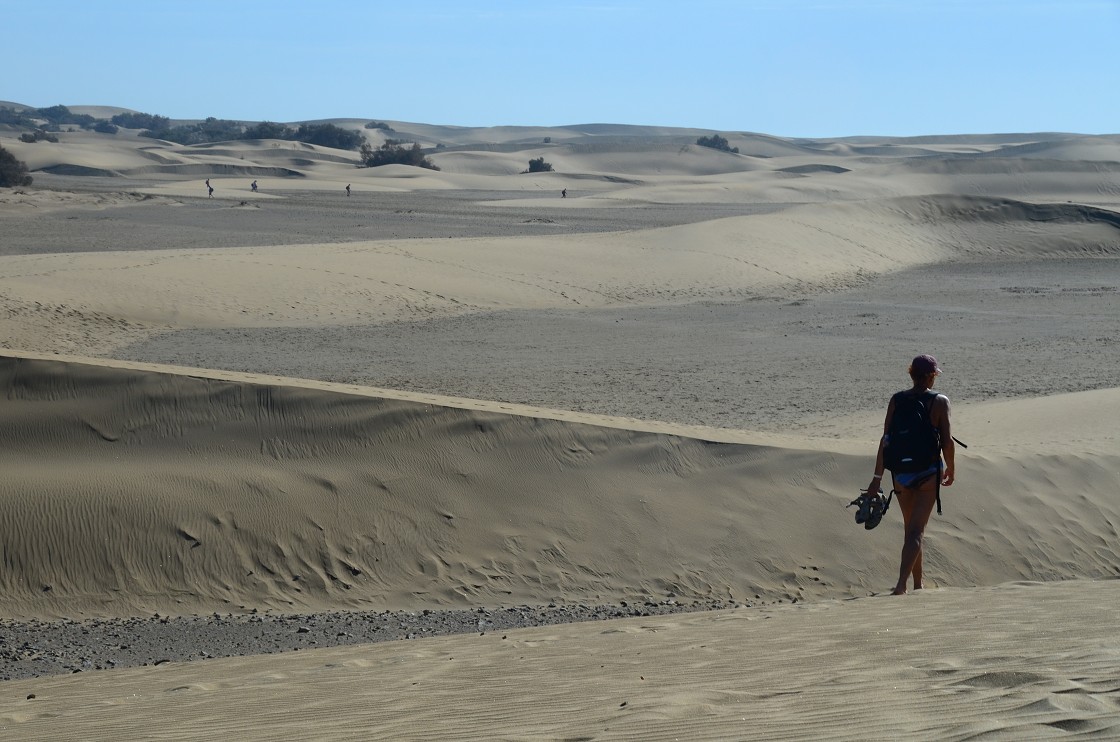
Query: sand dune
x=817, y=266
x=117, y=296
x=130, y=491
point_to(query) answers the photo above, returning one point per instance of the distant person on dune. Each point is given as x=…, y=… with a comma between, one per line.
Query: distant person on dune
x=347, y=189
x=210, y=188
x=254, y=186
x=564, y=193
x=916, y=434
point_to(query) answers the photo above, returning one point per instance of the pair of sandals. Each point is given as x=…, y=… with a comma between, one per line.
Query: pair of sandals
x=871, y=507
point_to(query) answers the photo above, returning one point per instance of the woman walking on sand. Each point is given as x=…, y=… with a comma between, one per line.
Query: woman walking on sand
x=916, y=414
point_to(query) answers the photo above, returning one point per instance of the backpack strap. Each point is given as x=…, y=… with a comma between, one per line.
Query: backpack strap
x=938, y=475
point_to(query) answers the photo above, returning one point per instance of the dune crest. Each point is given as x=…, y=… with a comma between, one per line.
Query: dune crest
x=130, y=491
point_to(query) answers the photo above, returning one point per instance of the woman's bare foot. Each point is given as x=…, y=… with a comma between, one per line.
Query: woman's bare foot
x=899, y=591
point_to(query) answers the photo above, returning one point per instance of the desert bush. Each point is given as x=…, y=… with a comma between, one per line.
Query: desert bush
x=394, y=152
x=210, y=130
x=60, y=115
x=379, y=125
x=141, y=121
x=13, y=172
x=538, y=165
x=715, y=141
x=104, y=127
x=219, y=130
x=12, y=117
x=267, y=130
x=39, y=135
x=329, y=135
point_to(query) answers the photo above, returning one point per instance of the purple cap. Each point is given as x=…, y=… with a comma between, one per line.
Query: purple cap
x=923, y=365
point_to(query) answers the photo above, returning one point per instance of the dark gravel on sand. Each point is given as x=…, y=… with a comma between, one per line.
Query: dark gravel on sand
x=30, y=649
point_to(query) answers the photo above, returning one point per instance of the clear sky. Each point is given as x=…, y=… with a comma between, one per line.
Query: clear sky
x=796, y=68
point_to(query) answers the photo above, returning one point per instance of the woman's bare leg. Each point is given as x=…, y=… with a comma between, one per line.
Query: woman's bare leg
x=906, y=505
x=916, y=505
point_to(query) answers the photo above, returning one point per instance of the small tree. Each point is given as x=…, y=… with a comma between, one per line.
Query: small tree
x=13, y=172
x=539, y=166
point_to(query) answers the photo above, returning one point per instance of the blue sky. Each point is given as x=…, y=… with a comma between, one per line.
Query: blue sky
x=824, y=68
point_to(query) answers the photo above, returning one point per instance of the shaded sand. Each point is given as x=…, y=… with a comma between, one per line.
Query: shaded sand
x=128, y=491
x=1021, y=661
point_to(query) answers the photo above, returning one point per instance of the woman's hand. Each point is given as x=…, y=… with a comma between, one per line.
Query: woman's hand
x=948, y=478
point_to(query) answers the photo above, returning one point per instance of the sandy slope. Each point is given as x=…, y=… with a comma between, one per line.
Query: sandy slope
x=131, y=491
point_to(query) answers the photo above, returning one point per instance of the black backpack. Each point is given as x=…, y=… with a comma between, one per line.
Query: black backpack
x=913, y=443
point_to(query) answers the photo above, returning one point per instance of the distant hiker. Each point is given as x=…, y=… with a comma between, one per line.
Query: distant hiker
x=207, y=182
x=254, y=186
x=210, y=188
x=564, y=193
x=916, y=433
x=347, y=189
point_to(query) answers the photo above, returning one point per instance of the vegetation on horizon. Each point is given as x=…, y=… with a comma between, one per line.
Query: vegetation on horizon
x=223, y=130
x=141, y=121
x=394, y=152
x=42, y=121
x=47, y=119
x=715, y=141
x=13, y=172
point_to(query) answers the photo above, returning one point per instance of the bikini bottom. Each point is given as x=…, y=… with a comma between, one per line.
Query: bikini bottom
x=915, y=479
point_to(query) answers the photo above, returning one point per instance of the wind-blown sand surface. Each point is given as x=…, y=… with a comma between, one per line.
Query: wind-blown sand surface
x=456, y=401
x=952, y=664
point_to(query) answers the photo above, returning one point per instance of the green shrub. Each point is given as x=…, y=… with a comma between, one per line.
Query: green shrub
x=141, y=121
x=539, y=166
x=394, y=152
x=13, y=172
x=267, y=130
x=39, y=135
x=379, y=125
x=328, y=135
x=102, y=126
x=715, y=141
x=12, y=117
x=60, y=115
